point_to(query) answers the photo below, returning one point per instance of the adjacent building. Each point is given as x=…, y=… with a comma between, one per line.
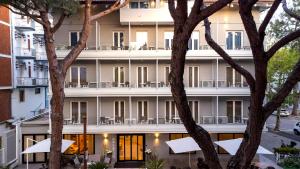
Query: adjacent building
x=7, y=131
x=30, y=68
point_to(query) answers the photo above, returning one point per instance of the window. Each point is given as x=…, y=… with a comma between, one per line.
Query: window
x=37, y=90
x=170, y=111
x=22, y=95
x=78, y=76
x=36, y=157
x=194, y=76
x=119, y=76
x=78, y=112
x=78, y=146
x=168, y=40
x=233, y=40
x=142, y=4
x=119, y=109
x=142, y=75
x=142, y=110
x=227, y=136
x=28, y=42
x=193, y=43
x=194, y=106
x=118, y=40
x=74, y=37
x=233, y=78
x=167, y=72
x=234, y=111
x=131, y=147
x=29, y=71
x=175, y=136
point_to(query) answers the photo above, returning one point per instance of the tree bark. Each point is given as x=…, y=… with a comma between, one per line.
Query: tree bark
x=277, y=123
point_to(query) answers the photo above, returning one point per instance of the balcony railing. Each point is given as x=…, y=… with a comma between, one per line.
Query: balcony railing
x=153, y=84
x=24, y=24
x=39, y=54
x=21, y=51
x=30, y=82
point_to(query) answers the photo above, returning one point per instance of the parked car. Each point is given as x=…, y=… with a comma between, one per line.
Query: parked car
x=297, y=128
x=283, y=112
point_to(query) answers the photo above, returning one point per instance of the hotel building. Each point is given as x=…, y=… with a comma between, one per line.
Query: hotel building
x=120, y=81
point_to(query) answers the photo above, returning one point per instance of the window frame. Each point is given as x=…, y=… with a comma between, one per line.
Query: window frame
x=233, y=39
x=79, y=111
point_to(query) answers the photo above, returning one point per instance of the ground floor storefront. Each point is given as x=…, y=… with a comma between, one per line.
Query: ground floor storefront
x=131, y=150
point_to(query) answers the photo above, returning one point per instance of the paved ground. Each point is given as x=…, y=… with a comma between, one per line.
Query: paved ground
x=286, y=123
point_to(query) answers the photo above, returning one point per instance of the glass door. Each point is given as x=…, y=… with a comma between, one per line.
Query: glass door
x=131, y=147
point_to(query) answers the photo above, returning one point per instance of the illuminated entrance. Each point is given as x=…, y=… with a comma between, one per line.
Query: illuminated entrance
x=131, y=147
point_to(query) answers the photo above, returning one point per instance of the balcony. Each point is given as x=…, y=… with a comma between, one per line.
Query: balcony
x=31, y=82
x=24, y=24
x=39, y=55
x=23, y=53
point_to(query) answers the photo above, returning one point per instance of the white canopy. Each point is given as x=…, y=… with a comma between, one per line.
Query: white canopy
x=232, y=145
x=44, y=146
x=183, y=145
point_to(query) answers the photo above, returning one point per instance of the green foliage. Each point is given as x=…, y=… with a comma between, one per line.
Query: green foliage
x=284, y=24
x=98, y=165
x=287, y=150
x=291, y=163
x=154, y=162
x=279, y=67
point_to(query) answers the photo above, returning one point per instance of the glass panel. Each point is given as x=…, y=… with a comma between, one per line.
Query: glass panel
x=127, y=148
x=145, y=74
x=173, y=110
x=238, y=40
x=190, y=76
x=229, y=38
x=40, y=157
x=144, y=4
x=75, y=112
x=145, y=110
x=134, y=5
x=167, y=72
x=134, y=147
x=196, y=80
x=74, y=38
x=238, y=79
x=121, y=39
x=190, y=46
x=140, y=148
x=167, y=45
x=83, y=78
x=30, y=143
x=121, y=148
x=196, y=45
x=229, y=77
x=117, y=109
x=238, y=111
x=83, y=111
x=116, y=39
x=74, y=74
x=230, y=111
x=122, y=110
x=122, y=79
x=74, y=148
x=167, y=111
x=116, y=75
x=140, y=111
x=140, y=76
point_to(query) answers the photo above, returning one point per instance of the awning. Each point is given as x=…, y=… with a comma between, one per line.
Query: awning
x=183, y=145
x=232, y=145
x=44, y=146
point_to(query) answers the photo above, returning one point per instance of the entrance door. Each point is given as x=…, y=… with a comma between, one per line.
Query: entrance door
x=234, y=111
x=131, y=147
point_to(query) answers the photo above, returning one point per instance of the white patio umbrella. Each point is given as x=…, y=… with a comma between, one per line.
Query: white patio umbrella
x=184, y=145
x=44, y=147
x=232, y=145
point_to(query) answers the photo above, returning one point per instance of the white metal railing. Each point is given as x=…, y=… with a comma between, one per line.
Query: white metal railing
x=22, y=51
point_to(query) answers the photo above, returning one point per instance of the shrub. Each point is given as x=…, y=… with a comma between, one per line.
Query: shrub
x=154, y=162
x=291, y=163
x=287, y=150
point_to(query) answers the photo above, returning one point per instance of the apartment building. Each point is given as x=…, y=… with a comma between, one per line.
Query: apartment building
x=120, y=82
x=30, y=68
x=7, y=131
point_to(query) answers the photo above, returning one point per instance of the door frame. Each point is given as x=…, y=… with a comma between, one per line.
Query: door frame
x=118, y=150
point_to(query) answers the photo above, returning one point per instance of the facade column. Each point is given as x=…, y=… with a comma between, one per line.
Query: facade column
x=97, y=109
x=97, y=35
x=156, y=73
x=156, y=35
x=217, y=83
x=129, y=72
x=157, y=3
x=99, y=106
x=217, y=109
x=156, y=110
x=129, y=34
x=130, y=110
x=97, y=74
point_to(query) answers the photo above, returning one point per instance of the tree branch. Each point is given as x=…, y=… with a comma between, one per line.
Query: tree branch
x=286, y=88
x=59, y=23
x=282, y=42
x=249, y=78
x=117, y=5
x=289, y=12
x=171, y=5
x=267, y=19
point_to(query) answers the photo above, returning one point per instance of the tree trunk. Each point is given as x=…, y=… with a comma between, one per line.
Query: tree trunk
x=277, y=123
x=296, y=97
